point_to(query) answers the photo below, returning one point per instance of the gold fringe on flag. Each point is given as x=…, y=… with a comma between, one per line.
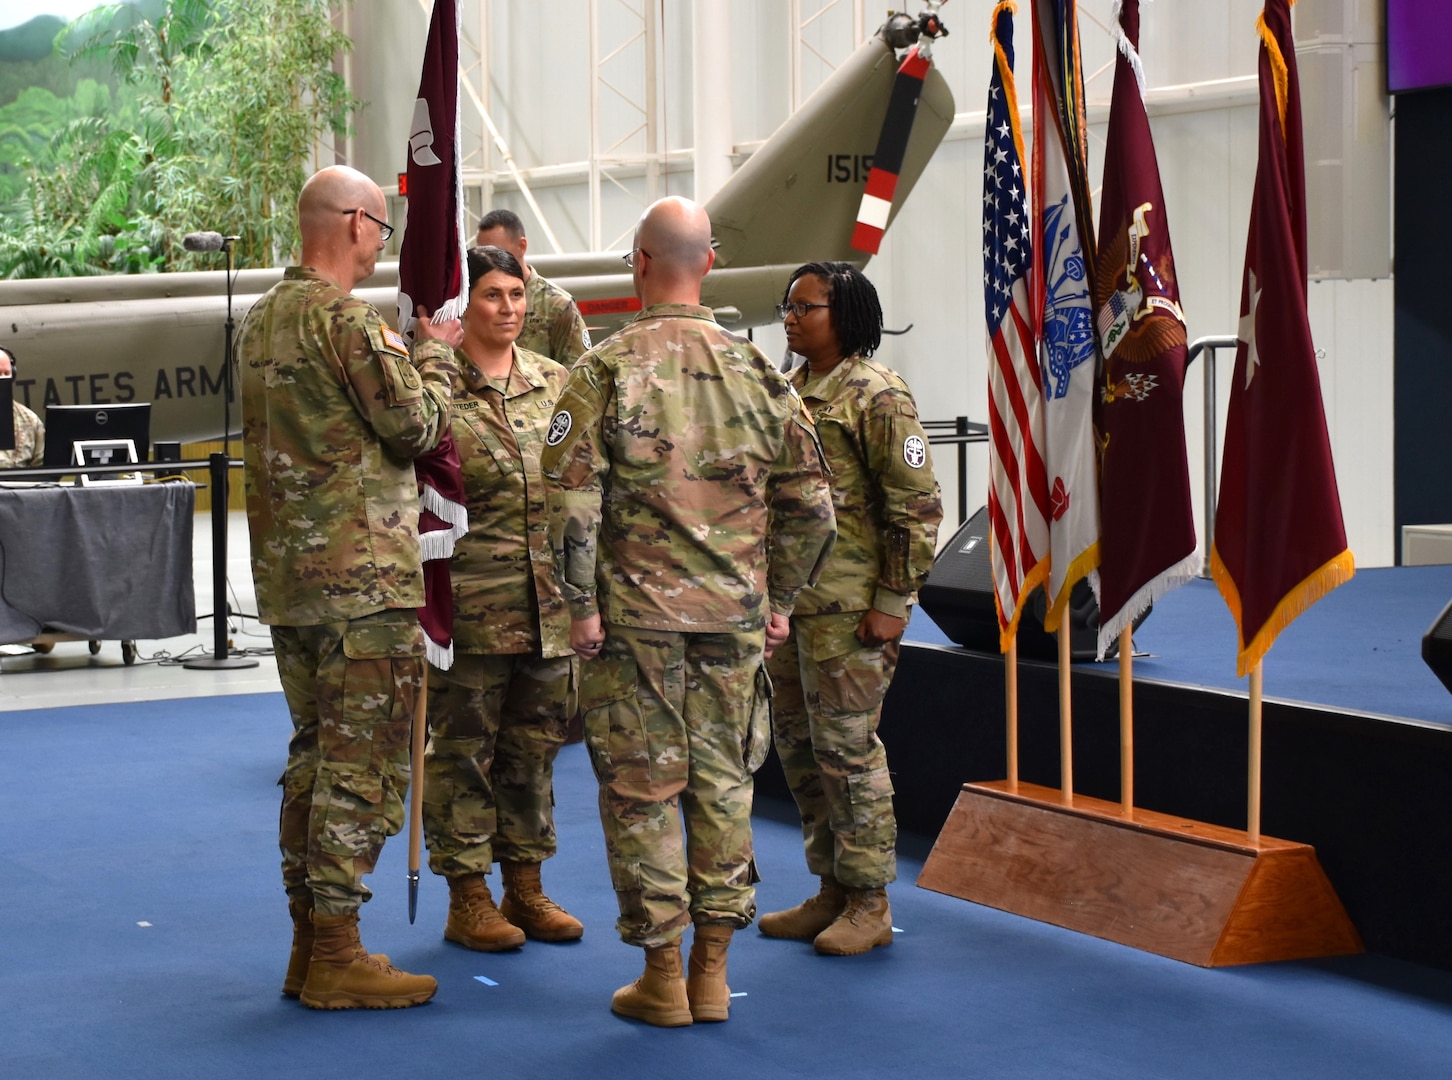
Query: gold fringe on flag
x=1317, y=584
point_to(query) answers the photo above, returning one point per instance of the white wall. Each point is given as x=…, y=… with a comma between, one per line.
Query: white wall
x=928, y=272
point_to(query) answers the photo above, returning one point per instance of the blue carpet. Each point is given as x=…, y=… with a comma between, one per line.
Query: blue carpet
x=146, y=936
x=1359, y=648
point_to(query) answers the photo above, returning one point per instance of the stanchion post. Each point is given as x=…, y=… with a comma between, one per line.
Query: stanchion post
x=218, y=465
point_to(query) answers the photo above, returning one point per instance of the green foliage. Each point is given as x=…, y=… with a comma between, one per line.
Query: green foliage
x=28, y=123
x=221, y=109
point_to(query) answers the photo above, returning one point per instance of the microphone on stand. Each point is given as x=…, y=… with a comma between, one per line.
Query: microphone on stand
x=220, y=464
x=207, y=241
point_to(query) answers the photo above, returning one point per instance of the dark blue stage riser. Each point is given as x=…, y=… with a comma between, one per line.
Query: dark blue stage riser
x=1370, y=793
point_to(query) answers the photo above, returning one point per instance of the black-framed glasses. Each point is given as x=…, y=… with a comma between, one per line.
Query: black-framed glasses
x=795, y=307
x=629, y=257
x=385, y=230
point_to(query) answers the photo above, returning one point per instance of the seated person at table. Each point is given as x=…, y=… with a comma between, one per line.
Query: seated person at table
x=29, y=449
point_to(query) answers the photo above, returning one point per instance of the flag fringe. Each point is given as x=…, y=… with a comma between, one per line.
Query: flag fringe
x=1280, y=74
x=1010, y=86
x=441, y=656
x=439, y=543
x=1130, y=53
x=1336, y=571
x=1085, y=564
x=1162, y=584
x=1032, y=580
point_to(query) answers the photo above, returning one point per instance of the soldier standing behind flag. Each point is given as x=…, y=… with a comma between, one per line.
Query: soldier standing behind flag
x=334, y=409
x=832, y=673
x=553, y=325
x=692, y=464
x=499, y=715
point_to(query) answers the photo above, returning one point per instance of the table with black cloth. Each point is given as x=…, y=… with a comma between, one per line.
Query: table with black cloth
x=109, y=561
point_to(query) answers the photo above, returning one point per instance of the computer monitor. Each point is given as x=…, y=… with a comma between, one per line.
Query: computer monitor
x=66, y=425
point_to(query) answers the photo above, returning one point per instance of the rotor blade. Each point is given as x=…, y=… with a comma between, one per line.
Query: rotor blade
x=876, y=206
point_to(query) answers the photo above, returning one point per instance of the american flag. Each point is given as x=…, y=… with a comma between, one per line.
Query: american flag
x=1018, y=493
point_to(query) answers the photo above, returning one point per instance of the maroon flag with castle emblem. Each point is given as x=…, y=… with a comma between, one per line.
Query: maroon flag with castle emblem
x=1280, y=543
x=1146, y=518
x=431, y=274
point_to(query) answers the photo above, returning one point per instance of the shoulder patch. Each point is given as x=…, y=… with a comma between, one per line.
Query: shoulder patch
x=559, y=427
x=914, y=451
x=394, y=340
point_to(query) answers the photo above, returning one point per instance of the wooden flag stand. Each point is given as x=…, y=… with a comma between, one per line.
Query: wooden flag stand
x=1188, y=890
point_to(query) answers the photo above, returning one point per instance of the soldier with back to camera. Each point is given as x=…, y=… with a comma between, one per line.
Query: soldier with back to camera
x=692, y=511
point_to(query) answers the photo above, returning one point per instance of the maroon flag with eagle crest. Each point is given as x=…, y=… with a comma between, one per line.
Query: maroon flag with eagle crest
x=431, y=273
x=1146, y=517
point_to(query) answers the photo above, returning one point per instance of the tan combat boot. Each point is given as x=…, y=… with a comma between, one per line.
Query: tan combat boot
x=342, y=976
x=706, y=987
x=810, y=917
x=301, y=910
x=864, y=924
x=474, y=921
x=527, y=907
x=659, y=996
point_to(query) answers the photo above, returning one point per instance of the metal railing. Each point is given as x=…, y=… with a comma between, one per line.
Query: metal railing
x=959, y=432
x=1208, y=345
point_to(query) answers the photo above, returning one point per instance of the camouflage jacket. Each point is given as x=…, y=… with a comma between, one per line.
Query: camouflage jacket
x=683, y=452
x=553, y=326
x=883, y=490
x=506, y=595
x=29, y=449
x=333, y=413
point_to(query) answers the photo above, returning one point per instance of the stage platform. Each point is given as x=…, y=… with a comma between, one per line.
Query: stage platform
x=1357, y=738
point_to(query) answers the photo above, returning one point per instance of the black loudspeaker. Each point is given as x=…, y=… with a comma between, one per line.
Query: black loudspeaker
x=164, y=452
x=1437, y=647
x=958, y=596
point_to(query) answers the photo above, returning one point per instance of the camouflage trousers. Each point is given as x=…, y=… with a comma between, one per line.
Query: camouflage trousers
x=497, y=723
x=827, y=699
x=351, y=688
x=667, y=721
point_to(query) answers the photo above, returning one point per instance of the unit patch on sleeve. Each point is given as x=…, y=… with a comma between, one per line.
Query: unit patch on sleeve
x=914, y=452
x=559, y=428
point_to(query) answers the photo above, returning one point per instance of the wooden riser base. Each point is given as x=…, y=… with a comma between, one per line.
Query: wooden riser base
x=1183, y=889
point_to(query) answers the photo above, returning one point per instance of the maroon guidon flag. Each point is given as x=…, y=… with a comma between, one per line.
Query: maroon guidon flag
x=1280, y=544
x=1146, y=518
x=431, y=272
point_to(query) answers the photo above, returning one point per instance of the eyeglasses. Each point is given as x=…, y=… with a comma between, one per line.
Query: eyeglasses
x=385, y=230
x=629, y=257
x=795, y=307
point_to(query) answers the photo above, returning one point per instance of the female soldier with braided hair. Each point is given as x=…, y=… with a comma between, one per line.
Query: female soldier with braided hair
x=833, y=671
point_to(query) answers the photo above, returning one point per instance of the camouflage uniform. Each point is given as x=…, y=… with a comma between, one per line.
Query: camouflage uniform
x=333, y=412
x=499, y=715
x=829, y=687
x=29, y=452
x=553, y=326
x=681, y=450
